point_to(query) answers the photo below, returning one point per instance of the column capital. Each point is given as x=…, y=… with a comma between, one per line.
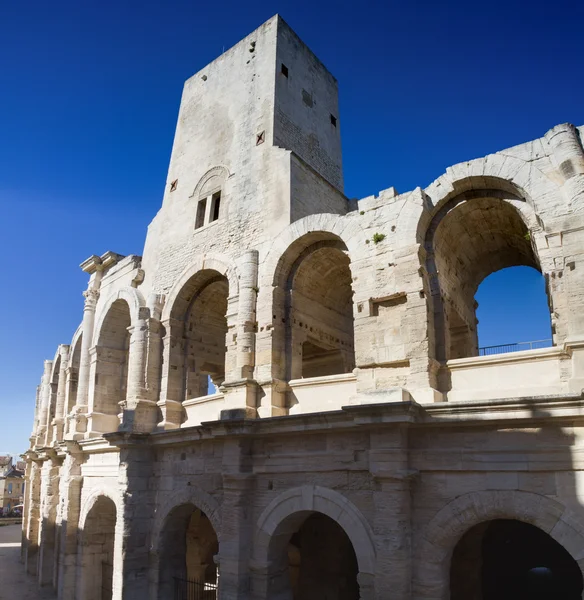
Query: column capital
x=91, y=295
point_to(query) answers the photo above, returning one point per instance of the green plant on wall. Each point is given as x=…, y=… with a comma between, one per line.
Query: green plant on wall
x=378, y=237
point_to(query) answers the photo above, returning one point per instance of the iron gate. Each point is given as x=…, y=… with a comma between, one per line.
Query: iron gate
x=190, y=589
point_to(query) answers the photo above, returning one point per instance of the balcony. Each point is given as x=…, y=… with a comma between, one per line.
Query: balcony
x=319, y=394
x=512, y=373
x=202, y=409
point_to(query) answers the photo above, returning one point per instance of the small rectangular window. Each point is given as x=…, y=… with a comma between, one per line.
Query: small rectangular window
x=215, y=204
x=333, y=121
x=284, y=70
x=201, y=208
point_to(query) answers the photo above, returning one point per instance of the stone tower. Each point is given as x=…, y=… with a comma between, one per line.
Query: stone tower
x=257, y=141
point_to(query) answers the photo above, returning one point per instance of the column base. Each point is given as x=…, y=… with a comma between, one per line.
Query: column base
x=139, y=416
x=76, y=423
x=172, y=415
x=241, y=396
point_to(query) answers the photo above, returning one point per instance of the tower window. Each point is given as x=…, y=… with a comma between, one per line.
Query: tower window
x=201, y=209
x=215, y=203
x=284, y=70
x=333, y=121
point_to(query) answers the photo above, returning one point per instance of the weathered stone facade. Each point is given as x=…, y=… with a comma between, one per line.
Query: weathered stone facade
x=354, y=436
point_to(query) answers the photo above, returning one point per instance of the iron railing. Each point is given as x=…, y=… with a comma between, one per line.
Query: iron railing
x=515, y=347
x=190, y=589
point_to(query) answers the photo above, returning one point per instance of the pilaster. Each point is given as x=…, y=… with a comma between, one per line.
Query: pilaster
x=237, y=521
x=70, y=492
x=392, y=525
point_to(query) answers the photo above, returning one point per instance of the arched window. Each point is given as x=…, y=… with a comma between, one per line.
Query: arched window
x=208, y=196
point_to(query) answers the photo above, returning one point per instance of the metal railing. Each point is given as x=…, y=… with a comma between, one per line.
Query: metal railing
x=190, y=589
x=515, y=347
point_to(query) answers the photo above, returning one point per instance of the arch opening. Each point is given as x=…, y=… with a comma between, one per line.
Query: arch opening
x=197, y=352
x=474, y=235
x=73, y=376
x=513, y=311
x=111, y=358
x=187, y=552
x=97, y=551
x=315, y=277
x=312, y=558
x=507, y=559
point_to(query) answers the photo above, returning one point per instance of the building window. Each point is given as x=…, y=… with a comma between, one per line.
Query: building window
x=209, y=209
x=201, y=210
x=10, y=488
x=215, y=206
x=333, y=120
x=284, y=70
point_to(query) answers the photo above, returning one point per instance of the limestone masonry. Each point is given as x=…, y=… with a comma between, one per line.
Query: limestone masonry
x=283, y=397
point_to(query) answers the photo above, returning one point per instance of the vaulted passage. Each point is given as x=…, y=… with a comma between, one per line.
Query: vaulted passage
x=197, y=343
x=311, y=557
x=188, y=546
x=511, y=560
x=475, y=234
x=96, y=569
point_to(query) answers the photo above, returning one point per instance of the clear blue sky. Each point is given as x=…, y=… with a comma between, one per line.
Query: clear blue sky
x=89, y=93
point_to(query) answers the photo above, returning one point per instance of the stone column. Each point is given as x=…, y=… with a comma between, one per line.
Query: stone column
x=45, y=403
x=270, y=359
x=568, y=158
x=37, y=415
x=239, y=387
x=49, y=497
x=33, y=515
x=140, y=412
x=58, y=423
x=78, y=416
x=392, y=523
x=172, y=382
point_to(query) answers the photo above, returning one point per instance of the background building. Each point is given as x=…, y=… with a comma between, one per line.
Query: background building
x=284, y=397
x=11, y=486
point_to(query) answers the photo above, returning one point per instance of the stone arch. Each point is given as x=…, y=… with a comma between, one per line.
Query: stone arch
x=133, y=298
x=73, y=369
x=494, y=171
x=314, y=498
x=321, y=226
x=213, y=262
x=174, y=518
x=194, y=495
x=76, y=336
x=434, y=550
x=99, y=549
x=92, y=497
x=211, y=180
x=474, y=226
x=312, y=302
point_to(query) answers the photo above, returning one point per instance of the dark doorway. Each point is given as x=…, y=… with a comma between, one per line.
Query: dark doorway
x=510, y=560
x=322, y=561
